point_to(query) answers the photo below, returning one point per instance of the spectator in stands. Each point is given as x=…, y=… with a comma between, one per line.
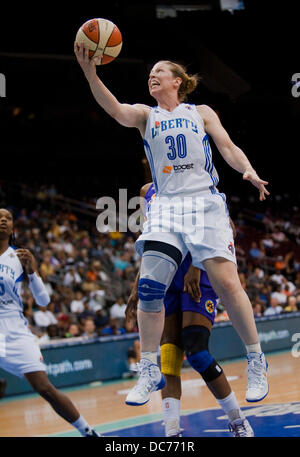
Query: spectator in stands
x=54, y=230
x=67, y=245
x=89, y=328
x=97, y=299
x=117, y=311
x=92, y=272
x=88, y=284
x=286, y=290
x=44, y=317
x=101, y=319
x=77, y=304
x=291, y=305
x=255, y=253
x=257, y=309
x=87, y=312
x=100, y=273
x=256, y=279
x=267, y=243
x=122, y=264
x=112, y=328
x=279, y=295
x=73, y=331
x=280, y=264
x=278, y=235
x=46, y=268
x=130, y=245
x=63, y=322
x=290, y=284
x=274, y=308
x=51, y=333
x=72, y=278
x=277, y=277
x=264, y=295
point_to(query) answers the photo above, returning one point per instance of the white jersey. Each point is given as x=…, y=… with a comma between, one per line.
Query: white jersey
x=179, y=153
x=11, y=276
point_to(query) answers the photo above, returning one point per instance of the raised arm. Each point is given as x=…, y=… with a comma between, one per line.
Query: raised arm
x=231, y=153
x=127, y=115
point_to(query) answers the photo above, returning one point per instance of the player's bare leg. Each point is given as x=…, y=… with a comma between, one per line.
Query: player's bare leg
x=224, y=279
x=150, y=329
x=61, y=404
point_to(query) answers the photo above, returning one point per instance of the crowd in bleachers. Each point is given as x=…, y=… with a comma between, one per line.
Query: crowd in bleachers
x=89, y=274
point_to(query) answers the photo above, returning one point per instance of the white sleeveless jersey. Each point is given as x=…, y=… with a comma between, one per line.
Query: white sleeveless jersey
x=178, y=151
x=11, y=276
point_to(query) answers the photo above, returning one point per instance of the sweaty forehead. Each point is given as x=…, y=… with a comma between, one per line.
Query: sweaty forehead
x=158, y=66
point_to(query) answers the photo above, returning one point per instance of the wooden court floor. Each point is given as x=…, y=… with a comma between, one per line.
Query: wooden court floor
x=103, y=404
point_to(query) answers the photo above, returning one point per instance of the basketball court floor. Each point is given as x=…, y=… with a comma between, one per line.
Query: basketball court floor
x=103, y=405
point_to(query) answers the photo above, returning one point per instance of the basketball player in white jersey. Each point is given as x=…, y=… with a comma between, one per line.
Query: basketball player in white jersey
x=19, y=351
x=175, y=136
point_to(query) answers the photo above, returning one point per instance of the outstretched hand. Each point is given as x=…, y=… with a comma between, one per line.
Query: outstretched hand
x=87, y=64
x=251, y=175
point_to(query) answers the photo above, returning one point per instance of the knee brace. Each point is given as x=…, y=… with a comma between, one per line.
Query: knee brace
x=195, y=343
x=171, y=358
x=157, y=272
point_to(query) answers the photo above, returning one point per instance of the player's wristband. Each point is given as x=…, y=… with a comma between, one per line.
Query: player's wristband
x=38, y=290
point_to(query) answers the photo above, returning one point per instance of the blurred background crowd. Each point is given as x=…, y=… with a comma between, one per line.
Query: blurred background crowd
x=89, y=275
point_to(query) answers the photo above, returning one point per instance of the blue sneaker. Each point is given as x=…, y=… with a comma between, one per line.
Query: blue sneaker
x=150, y=379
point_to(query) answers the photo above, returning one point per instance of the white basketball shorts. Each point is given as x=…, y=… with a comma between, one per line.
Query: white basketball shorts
x=198, y=224
x=19, y=351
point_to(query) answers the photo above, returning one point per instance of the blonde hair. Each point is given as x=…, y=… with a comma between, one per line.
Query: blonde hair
x=189, y=82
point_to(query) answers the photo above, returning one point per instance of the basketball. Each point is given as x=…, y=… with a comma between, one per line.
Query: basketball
x=103, y=38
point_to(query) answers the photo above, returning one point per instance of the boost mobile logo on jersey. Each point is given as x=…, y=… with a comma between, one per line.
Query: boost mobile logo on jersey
x=231, y=247
x=177, y=168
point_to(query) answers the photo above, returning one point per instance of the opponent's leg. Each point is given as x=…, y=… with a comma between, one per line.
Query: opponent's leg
x=195, y=340
x=159, y=264
x=171, y=359
x=224, y=279
x=61, y=404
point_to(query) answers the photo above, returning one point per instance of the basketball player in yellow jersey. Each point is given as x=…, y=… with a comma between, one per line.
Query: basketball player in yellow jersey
x=176, y=140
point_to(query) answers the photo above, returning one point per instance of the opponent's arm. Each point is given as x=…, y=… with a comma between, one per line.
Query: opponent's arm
x=231, y=153
x=127, y=115
x=36, y=284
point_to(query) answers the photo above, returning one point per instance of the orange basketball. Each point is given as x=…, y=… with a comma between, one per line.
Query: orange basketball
x=102, y=37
